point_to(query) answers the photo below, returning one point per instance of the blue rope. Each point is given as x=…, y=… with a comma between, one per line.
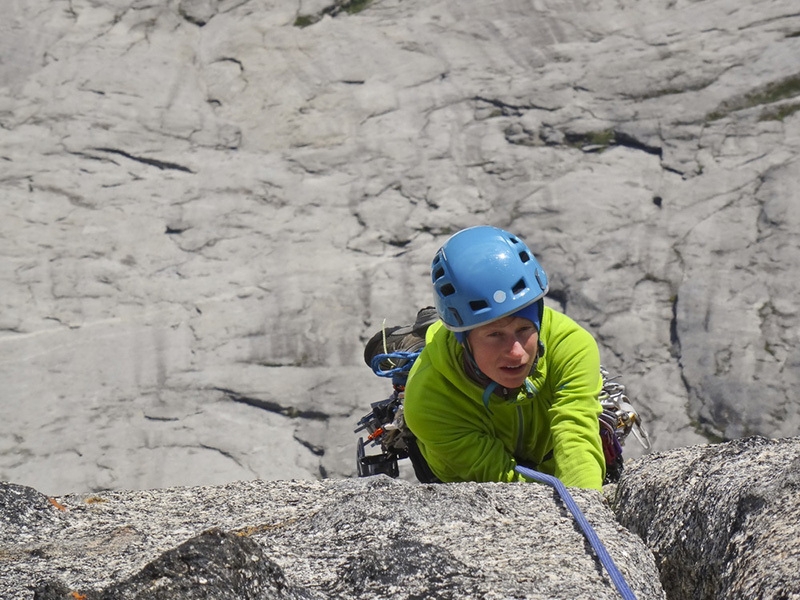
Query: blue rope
x=409, y=357
x=588, y=531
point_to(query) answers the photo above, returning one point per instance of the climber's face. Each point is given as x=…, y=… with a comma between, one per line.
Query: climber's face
x=505, y=350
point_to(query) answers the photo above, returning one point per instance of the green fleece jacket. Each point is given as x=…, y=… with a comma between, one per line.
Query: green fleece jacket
x=552, y=426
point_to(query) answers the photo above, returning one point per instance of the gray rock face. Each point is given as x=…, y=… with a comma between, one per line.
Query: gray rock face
x=208, y=206
x=23, y=511
x=365, y=538
x=721, y=520
x=713, y=522
x=213, y=565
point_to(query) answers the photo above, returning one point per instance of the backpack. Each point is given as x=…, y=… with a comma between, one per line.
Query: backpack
x=391, y=353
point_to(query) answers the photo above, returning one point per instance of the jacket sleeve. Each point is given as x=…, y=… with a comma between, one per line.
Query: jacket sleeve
x=577, y=448
x=464, y=454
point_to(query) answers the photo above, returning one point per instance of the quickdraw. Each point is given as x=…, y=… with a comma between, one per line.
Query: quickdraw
x=617, y=421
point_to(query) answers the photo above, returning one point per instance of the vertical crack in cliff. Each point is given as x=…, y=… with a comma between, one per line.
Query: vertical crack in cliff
x=674, y=339
x=676, y=353
x=675, y=344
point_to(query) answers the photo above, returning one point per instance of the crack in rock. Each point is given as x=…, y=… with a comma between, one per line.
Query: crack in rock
x=288, y=411
x=160, y=164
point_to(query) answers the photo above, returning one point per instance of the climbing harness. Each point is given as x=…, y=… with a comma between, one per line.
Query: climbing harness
x=385, y=425
x=588, y=531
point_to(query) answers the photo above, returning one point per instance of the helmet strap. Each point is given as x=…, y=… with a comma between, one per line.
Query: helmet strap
x=472, y=370
x=489, y=385
x=471, y=367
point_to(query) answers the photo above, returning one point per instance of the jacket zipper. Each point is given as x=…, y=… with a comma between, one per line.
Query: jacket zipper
x=520, y=432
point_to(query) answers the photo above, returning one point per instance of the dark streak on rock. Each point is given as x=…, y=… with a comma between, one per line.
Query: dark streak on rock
x=160, y=164
x=288, y=411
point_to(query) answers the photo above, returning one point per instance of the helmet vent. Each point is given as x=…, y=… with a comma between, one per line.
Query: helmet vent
x=478, y=305
x=524, y=257
x=438, y=273
x=519, y=287
x=447, y=289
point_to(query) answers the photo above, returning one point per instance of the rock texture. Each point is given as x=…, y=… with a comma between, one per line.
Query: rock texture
x=722, y=520
x=364, y=538
x=214, y=565
x=209, y=205
x=713, y=522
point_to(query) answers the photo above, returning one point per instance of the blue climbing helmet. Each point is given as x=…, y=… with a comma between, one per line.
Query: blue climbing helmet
x=482, y=274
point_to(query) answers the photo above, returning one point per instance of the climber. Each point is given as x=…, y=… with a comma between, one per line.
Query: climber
x=503, y=381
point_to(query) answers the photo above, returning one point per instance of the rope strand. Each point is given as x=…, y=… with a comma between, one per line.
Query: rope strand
x=588, y=531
